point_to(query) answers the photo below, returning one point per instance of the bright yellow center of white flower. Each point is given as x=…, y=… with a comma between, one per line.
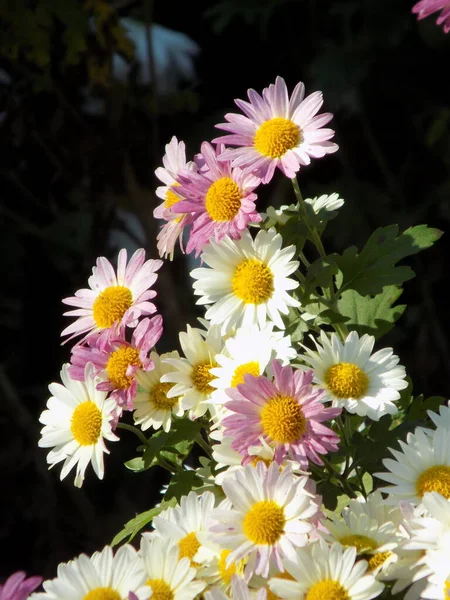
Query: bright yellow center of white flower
x=276, y=136
x=252, y=281
x=226, y=573
x=118, y=363
x=377, y=560
x=447, y=590
x=160, y=589
x=264, y=522
x=282, y=419
x=86, y=423
x=201, y=377
x=158, y=396
x=110, y=305
x=362, y=543
x=434, y=479
x=347, y=380
x=102, y=593
x=327, y=589
x=189, y=546
x=171, y=198
x=223, y=200
x=251, y=368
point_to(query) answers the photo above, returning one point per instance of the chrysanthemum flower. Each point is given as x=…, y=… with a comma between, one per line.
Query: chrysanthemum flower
x=168, y=575
x=18, y=586
x=220, y=198
x=174, y=161
x=271, y=514
x=425, y=8
x=423, y=465
x=363, y=383
x=320, y=572
x=248, y=280
x=117, y=361
x=114, y=299
x=101, y=576
x=287, y=413
x=77, y=422
x=239, y=591
x=277, y=131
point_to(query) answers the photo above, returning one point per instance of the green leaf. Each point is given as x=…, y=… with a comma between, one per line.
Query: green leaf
x=320, y=272
x=369, y=271
x=419, y=407
x=181, y=484
x=375, y=315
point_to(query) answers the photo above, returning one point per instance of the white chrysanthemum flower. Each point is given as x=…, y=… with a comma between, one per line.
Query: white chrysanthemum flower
x=169, y=576
x=321, y=572
x=438, y=582
x=192, y=375
x=77, y=422
x=278, y=216
x=271, y=514
x=185, y=522
x=239, y=591
x=363, y=383
x=443, y=418
x=99, y=577
x=248, y=281
x=153, y=407
x=325, y=203
x=422, y=466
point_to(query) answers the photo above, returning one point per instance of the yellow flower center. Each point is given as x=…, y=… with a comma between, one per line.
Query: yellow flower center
x=264, y=522
x=347, y=380
x=171, y=197
x=201, y=377
x=102, y=593
x=158, y=396
x=329, y=589
x=189, y=546
x=434, y=479
x=160, y=589
x=110, y=305
x=378, y=559
x=282, y=419
x=251, y=367
x=362, y=543
x=447, y=589
x=223, y=200
x=86, y=423
x=117, y=366
x=252, y=281
x=226, y=573
x=276, y=136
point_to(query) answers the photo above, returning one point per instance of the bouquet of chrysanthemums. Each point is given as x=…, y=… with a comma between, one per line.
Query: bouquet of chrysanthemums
x=283, y=388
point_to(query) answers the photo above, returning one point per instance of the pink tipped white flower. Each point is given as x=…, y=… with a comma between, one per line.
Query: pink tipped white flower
x=114, y=300
x=117, y=360
x=425, y=8
x=286, y=413
x=220, y=198
x=277, y=131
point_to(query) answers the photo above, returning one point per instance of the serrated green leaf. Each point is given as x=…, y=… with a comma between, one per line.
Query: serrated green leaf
x=320, y=272
x=181, y=484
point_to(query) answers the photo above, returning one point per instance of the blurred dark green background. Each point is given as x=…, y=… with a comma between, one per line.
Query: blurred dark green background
x=78, y=152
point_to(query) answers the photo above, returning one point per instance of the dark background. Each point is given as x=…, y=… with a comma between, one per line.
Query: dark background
x=65, y=175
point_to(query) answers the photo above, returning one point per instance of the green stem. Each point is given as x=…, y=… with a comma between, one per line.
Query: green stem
x=315, y=237
x=162, y=462
x=134, y=430
x=203, y=445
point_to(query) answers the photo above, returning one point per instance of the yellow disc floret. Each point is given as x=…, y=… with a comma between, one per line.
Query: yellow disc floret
x=253, y=282
x=189, y=546
x=347, y=380
x=434, y=479
x=110, y=305
x=226, y=573
x=362, y=543
x=276, y=136
x=251, y=368
x=282, y=419
x=201, y=377
x=171, y=198
x=160, y=589
x=158, y=396
x=102, y=593
x=377, y=560
x=118, y=363
x=329, y=589
x=447, y=589
x=223, y=200
x=264, y=522
x=86, y=423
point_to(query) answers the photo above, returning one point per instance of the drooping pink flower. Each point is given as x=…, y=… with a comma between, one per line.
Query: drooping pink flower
x=114, y=300
x=277, y=131
x=287, y=413
x=425, y=8
x=18, y=586
x=116, y=360
x=220, y=198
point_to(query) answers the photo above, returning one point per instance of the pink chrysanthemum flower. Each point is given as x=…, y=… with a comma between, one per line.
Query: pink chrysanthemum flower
x=114, y=300
x=221, y=199
x=117, y=360
x=17, y=587
x=277, y=131
x=174, y=161
x=286, y=413
x=425, y=8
